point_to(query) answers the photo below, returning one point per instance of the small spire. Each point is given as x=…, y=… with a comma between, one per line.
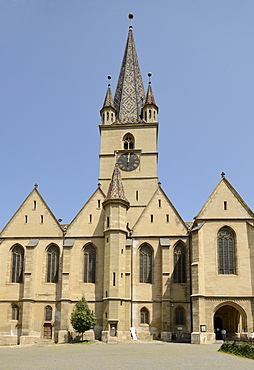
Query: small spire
x=223, y=175
x=149, y=95
x=116, y=190
x=108, y=101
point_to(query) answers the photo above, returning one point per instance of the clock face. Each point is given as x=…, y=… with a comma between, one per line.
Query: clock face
x=128, y=161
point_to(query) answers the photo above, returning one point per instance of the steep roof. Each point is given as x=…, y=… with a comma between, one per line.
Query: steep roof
x=129, y=96
x=150, y=96
x=33, y=219
x=82, y=224
x=224, y=203
x=108, y=101
x=116, y=190
x=160, y=225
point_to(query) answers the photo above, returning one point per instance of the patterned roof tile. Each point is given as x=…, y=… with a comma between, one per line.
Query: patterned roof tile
x=129, y=96
x=116, y=190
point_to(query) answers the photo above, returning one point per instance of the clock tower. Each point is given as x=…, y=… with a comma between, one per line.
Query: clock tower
x=129, y=131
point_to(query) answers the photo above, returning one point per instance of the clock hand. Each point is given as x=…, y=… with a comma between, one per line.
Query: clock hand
x=128, y=159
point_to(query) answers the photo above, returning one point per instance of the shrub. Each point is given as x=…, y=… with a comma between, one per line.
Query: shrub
x=244, y=350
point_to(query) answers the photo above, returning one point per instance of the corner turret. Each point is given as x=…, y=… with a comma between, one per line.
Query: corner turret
x=108, y=112
x=150, y=109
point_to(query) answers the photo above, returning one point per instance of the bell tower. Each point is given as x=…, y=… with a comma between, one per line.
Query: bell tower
x=129, y=131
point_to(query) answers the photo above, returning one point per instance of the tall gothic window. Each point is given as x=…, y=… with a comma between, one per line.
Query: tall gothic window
x=89, y=264
x=48, y=313
x=226, y=251
x=128, y=141
x=52, y=264
x=144, y=316
x=17, y=264
x=145, y=264
x=180, y=263
x=179, y=316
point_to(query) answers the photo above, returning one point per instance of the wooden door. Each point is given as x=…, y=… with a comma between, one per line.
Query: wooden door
x=47, y=331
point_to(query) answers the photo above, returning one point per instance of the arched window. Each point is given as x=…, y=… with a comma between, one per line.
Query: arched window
x=48, y=313
x=17, y=264
x=179, y=316
x=128, y=141
x=15, y=312
x=179, y=263
x=52, y=264
x=226, y=251
x=89, y=264
x=145, y=264
x=144, y=316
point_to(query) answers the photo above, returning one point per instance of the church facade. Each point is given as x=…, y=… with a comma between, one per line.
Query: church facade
x=128, y=250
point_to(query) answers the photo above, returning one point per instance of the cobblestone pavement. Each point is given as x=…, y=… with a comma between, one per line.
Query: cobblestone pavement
x=134, y=355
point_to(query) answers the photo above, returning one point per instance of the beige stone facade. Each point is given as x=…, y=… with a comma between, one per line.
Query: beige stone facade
x=128, y=251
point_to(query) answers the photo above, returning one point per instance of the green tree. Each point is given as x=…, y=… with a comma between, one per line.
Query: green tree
x=82, y=318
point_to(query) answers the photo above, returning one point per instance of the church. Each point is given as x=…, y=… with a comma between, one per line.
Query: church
x=143, y=270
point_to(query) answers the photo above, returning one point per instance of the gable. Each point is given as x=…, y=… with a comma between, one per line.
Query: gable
x=159, y=218
x=90, y=220
x=225, y=203
x=33, y=219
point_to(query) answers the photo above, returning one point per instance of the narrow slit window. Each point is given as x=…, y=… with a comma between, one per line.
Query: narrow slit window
x=114, y=279
x=90, y=218
x=42, y=219
x=35, y=204
x=136, y=194
x=225, y=205
x=107, y=221
x=159, y=203
x=167, y=218
x=15, y=312
x=26, y=219
x=151, y=218
x=98, y=204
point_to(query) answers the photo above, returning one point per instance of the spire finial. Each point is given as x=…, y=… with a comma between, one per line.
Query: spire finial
x=130, y=16
x=149, y=74
x=35, y=186
x=109, y=78
x=223, y=174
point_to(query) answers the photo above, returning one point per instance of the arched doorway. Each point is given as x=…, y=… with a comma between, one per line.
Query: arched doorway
x=230, y=317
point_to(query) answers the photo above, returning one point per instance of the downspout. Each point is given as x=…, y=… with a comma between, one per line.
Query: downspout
x=131, y=280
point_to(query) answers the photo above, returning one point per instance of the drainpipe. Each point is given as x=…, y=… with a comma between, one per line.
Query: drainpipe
x=131, y=280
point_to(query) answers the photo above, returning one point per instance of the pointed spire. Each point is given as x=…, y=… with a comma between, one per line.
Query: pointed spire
x=116, y=190
x=129, y=96
x=149, y=95
x=108, y=102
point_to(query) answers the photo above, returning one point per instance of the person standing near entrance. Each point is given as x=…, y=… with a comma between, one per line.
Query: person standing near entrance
x=223, y=334
x=252, y=336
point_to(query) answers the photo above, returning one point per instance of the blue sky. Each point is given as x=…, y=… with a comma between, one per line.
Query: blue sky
x=55, y=58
